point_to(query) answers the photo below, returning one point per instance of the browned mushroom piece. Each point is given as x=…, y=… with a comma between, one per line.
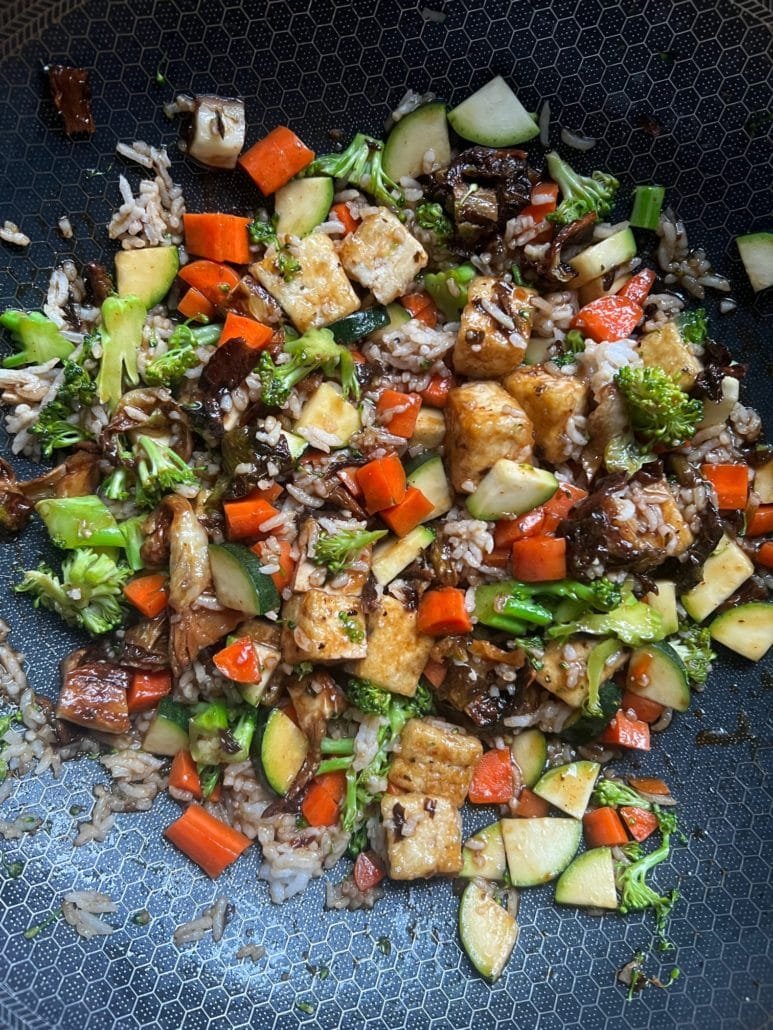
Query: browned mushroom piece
x=71, y=93
x=93, y=693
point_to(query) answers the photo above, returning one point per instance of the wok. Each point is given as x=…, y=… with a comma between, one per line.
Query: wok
x=676, y=93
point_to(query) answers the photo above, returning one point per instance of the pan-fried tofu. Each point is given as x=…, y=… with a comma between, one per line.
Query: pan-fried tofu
x=550, y=401
x=436, y=758
x=382, y=256
x=483, y=424
x=485, y=347
x=319, y=292
x=423, y=836
x=322, y=627
x=397, y=652
x=565, y=674
x=664, y=348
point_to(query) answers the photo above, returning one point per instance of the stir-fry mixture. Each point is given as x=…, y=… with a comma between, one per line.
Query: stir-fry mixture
x=418, y=488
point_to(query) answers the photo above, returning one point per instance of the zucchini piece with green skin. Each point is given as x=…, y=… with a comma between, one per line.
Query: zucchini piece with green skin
x=494, y=117
x=724, y=571
x=353, y=327
x=303, y=204
x=582, y=726
x=80, y=522
x=393, y=555
x=147, y=273
x=429, y=476
x=530, y=753
x=422, y=130
x=747, y=629
x=204, y=733
x=569, y=787
x=282, y=750
x=437, y=285
x=664, y=603
x=589, y=881
x=239, y=583
x=397, y=315
x=656, y=672
x=488, y=932
x=599, y=259
x=511, y=488
x=756, y=252
x=168, y=733
x=539, y=849
x=484, y=854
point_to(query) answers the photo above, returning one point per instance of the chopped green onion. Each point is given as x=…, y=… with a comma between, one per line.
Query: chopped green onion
x=647, y=205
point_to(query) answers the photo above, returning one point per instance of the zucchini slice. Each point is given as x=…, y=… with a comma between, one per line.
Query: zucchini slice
x=581, y=727
x=589, y=881
x=539, y=849
x=484, y=854
x=530, y=752
x=599, y=259
x=429, y=476
x=510, y=488
x=283, y=749
x=494, y=117
x=657, y=672
x=393, y=555
x=756, y=252
x=487, y=930
x=147, y=273
x=724, y=571
x=416, y=133
x=747, y=629
x=303, y=204
x=360, y=323
x=168, y=733
x=569, y=787
x=239, y=583
x=664, y=603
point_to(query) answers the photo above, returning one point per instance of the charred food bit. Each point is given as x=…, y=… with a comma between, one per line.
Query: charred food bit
x=71, y=93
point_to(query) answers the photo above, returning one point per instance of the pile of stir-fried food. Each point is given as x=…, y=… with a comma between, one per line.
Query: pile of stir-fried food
x=418, y=489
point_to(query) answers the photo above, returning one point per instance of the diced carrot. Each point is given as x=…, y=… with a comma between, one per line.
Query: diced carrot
x=765, y=554
x=731, y=484
x=214, y=281
x=560, y=504
x=603, y=829
x=544, y=193
x=435, y=672
x=537, y=212
x=492, y=778
x=530, y=806
x=368, y=870
x=650, y=785
x=207, y=841
x=638, y=286
x=644, y=709
x=266, y=550
x=195, y=305
x=218, y=237
x=442, y=612
x=345, y=217
x=435, y=394
x=274, y=160
x=500, y=557
x=422, y=307
x=322, y=802
x=183, y=774
x=245, y=517
x=607, y=319
x=239, y=661
x=254, y=333
x=409, y=513
x=405, y=408
x=639, y=669
x=761, y=522
x=148, y=594
x=382, y=483
x=639, y=822
x=629, y=733
x=507, y=531
x=539, y=559
x=147, y=689
x=349, y=479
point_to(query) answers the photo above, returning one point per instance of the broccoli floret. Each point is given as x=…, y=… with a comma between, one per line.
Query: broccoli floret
x=55, y=432
x=35, y=337
x=337, y=550
x=624, y=454
x=123, y=319
x=263, y=232
x=369, y=698
x=580, y=193
x=116, y=486
x=660, y=411
x=88, y=594
x=450, y=300
x=361, y=165
x=693, y=645
x=574, y=344
x=693, y=325
x=433, y=217
x=181, y=353
x=315, y=349
x=635, y=893
x=514, y=607
x=134, y=537
x=159, y=471
x=613, y=793
x=632, y=622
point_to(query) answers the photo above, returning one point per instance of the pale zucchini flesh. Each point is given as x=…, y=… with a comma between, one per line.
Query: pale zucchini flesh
x=724, y=571
x=393, y=555
x=530, y=751
x=664, y=603
x=539, y=849
x=747, y=629
x=488, y=932
x=494, y=117
x=303, y=204
x=511, y=488
x=599, y=259
x=413, y=137
x=656, y=671
x=589, y=881
x=484, y=854
x=569, y=787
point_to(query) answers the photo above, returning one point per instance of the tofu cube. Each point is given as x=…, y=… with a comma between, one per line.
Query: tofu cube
x=664, y=348
x=423, y=836
x=397, y=652
x=316, y=295
x=382, y=256
x=484, y=346
x=435, y=758
x=322, y=627
x=483, y=424
x=550, y=401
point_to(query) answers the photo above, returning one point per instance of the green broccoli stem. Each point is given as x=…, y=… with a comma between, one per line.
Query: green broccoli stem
x=339, y=746
x=133, y=537
x=36, y=338
x=206, y=335
x=647, y=205
x=123, y=319
x=329, y=765
x=79, y=522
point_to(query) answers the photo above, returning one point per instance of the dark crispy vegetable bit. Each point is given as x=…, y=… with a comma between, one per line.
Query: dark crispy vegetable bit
x=265, y=461
x=471, y=673
x=553, y=268
x=717, y=363
x=71, y=93
x=249, y=298
x=229, y=366
x=93, y=693
x=15, y=508
x=98, y=281
x=146, y=644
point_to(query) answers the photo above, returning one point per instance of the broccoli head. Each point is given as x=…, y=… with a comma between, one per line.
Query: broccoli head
x=693, y=645
x=635, y=893
x=361, y=165
x=369, y=698
x=181, y=353
x=338, y=550
x=431, y=216
x=693, y=325
x=632, y=622
x=55, y=431
x=580, y=193
x=316, y=349
x=659, y=410
x=123, y=319
x=515, y=607
x=159, y=471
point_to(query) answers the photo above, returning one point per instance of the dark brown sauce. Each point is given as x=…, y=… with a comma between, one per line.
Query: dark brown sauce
x=742, y=734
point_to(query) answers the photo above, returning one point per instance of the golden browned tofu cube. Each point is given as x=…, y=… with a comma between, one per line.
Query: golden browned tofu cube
x=322, y=627
x=487, y=345
x=483, y=424
x=397, y=652
x=664, y=348
x=423, y=836
x=550, y=401
x=317, y=294
x=436, y=758
x=564, y=669
x=382, y=255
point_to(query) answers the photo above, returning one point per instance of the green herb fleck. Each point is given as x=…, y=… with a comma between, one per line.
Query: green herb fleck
x=323, y=972
x=141, y=918
x=305, y=1006
x=384, y=945
x=32, y=931
x=75, y=810
x=13, y=870
x=352, y=627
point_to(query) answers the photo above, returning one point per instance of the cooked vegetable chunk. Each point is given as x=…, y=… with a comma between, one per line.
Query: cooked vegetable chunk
x=483, y=424
x=423, y=836
x=493, y=344
x=565, y=674
x=322, y=627
x=93, y=694
x=664, y=348
x=397, y=652
x=552, y=402
x=435, y=757
x=383, y=256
